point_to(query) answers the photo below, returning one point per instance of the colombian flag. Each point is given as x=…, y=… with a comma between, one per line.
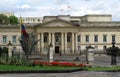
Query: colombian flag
x=24, y=33
x=23, y=30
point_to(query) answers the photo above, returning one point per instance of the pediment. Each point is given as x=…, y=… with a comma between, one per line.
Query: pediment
x=58, y=23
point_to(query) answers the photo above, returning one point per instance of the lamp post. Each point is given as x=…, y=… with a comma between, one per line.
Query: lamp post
x=113, y=53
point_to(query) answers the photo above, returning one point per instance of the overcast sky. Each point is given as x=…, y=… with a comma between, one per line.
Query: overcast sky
x=40, y=8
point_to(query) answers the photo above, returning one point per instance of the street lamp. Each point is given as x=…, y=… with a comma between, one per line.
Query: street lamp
x=113, y=53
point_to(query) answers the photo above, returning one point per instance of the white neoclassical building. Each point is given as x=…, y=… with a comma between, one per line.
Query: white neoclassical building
x=68, y=34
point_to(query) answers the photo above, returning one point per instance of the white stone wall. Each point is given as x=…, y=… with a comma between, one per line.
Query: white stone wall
x=9, y=36
x=99, y=19
x=100, y=42
x=91, y=18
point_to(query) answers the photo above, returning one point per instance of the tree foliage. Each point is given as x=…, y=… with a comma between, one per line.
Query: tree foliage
x=13, y=20
x=109, y=51
x=28, y=44
x=4, y=20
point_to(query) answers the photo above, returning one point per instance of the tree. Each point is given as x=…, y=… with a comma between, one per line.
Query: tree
x=28, y=44
x=4, y=20
x=13, y=20
x=110, y=49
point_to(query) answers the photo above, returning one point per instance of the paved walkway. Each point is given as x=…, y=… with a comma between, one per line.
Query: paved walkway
x=99, y=60
x=74, y=74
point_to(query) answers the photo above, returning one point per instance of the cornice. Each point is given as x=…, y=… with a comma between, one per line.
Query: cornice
x=55, y=20
x=13, y=26
x=83, y=25
x=96, y=24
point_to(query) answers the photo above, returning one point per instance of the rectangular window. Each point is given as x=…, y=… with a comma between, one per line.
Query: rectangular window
x=96, y=38
x=104, y=38
x=68, y=38
x=57, y=38
x=4, y=39
x=45, y=39
x=113, y=37
x=87, y=38
x=79, y=38
x=14, y=39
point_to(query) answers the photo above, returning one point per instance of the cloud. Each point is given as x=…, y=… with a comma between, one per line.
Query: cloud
x=59, y=2
x=53, y=7
x=25, y=6
x=33, y=2
x=8, y=6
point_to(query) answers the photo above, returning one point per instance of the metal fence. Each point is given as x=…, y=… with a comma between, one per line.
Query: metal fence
x=99, y=59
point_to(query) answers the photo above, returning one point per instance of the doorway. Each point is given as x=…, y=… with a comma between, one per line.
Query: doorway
x=56, y=49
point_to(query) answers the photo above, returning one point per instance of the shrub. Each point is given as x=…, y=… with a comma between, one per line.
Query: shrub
x=4, y=59
x=116, y=49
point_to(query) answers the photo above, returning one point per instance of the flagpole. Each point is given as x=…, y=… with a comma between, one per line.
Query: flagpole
x=20, y=34
x=20, y=22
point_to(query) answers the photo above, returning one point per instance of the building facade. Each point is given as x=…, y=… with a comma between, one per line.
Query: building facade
x=68, y=34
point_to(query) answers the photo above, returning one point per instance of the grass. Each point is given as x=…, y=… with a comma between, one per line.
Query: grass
x=103, y=68
x=23, y=68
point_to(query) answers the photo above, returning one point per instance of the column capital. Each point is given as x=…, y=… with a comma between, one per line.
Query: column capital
x=64, y=32
x=50, y=32
x=41, y=32
x=75, y=32
x=53, y=32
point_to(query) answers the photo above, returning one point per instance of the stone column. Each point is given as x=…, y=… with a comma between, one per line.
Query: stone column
x=62, y=43
x=73, y=49
x=42, y=42
x=65, y=45
x=76, y=42
x=38, y=42
x=49, y=38
x=53, y=41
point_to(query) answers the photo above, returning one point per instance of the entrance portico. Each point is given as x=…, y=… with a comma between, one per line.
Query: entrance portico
x=62, y=35
x=62, y=42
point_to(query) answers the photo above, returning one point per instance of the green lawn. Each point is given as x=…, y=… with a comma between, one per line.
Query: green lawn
x=104, y=68
x=16, y=68
x=23, y=68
